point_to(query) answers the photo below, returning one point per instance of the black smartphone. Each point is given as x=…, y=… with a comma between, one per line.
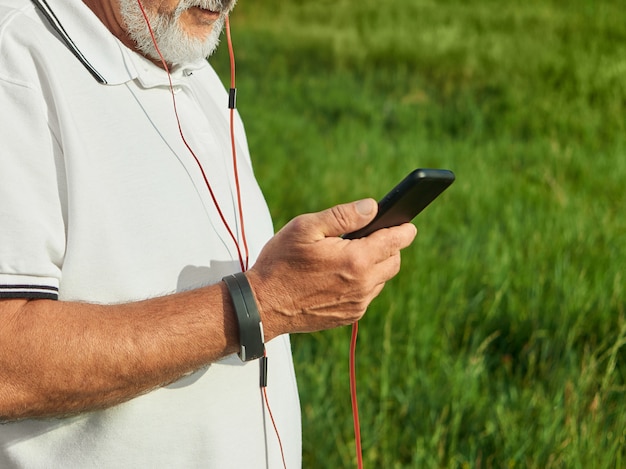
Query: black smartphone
x=412, y=195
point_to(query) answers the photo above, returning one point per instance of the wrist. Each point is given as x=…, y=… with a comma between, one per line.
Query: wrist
x=275, y=322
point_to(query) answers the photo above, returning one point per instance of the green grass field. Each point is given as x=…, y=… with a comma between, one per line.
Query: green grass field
x=502, y=342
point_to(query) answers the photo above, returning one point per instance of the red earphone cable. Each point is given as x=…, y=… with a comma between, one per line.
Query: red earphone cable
x=269, y=411
x=233, y=87
x=231, y=54
x=353, y=396
x=242, y=263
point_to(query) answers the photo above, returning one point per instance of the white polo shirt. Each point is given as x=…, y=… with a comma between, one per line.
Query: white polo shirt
x=100, y=201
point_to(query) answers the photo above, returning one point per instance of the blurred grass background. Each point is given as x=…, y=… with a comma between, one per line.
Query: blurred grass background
x=502, y=342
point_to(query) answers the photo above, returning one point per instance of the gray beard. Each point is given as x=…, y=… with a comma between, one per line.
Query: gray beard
x=175, y=45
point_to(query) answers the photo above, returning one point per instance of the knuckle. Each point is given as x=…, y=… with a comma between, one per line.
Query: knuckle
x=299, y=223
x=357, y=266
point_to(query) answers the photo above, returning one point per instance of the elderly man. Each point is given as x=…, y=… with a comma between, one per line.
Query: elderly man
x=121, y=211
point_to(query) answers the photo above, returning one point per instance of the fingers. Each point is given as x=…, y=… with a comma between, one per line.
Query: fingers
x=336, y=220
x=379, y=254
x=389, y=268
x=387, y=242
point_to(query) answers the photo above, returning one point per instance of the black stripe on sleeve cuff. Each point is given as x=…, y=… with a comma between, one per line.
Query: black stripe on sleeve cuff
x=34, y=292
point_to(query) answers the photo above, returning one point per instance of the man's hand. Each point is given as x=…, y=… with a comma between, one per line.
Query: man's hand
x=307, y=278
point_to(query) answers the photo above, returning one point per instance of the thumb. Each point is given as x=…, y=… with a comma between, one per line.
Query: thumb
x=346, y=218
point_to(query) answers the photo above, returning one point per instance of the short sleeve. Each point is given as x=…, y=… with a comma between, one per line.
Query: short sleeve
x=32, y=180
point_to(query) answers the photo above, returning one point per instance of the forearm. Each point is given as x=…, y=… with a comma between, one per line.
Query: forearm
x=60, y=358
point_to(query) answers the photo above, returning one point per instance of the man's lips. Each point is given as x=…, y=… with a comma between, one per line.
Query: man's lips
x=206, y=15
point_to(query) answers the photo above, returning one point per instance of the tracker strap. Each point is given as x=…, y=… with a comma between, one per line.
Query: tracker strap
x=251, y=339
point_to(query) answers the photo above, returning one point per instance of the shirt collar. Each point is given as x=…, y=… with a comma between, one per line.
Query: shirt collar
x=150, y=75
x=107, y=59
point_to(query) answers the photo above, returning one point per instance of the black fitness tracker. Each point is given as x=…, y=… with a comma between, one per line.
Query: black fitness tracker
x=251, y=338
